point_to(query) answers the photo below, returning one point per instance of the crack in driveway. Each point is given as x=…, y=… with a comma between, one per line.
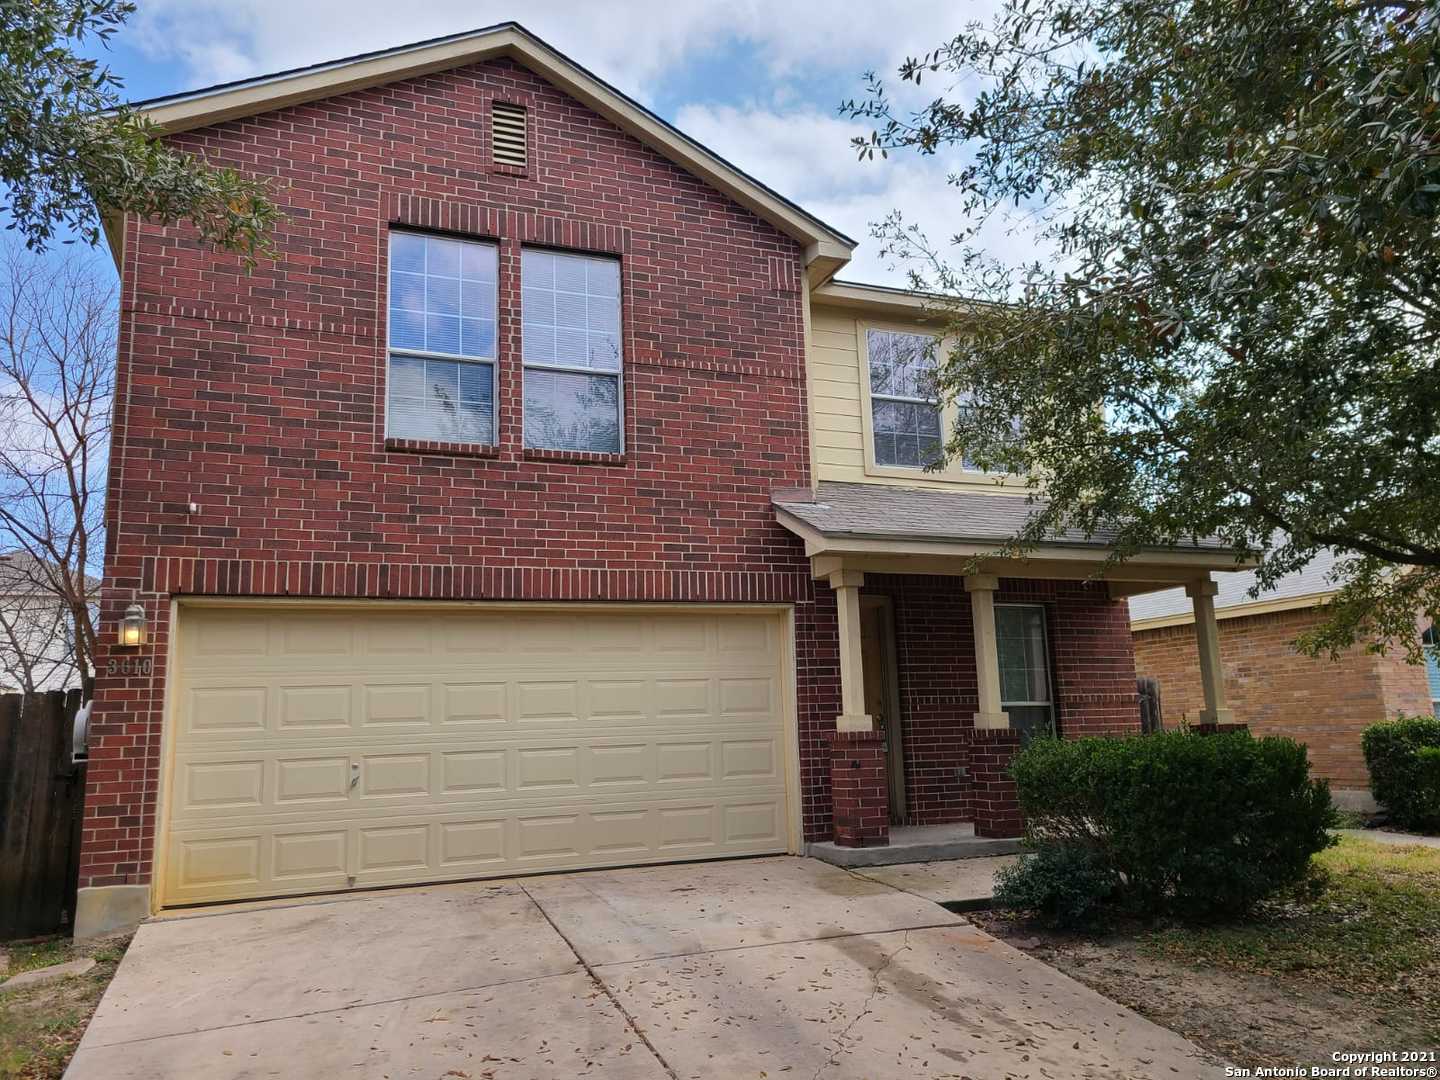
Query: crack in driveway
x=630, y=1021
x=839, y=1045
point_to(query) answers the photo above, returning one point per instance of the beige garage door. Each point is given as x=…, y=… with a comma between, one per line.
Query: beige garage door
x=322, y=750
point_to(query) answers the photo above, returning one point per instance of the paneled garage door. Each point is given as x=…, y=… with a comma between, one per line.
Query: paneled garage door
x=327, y=749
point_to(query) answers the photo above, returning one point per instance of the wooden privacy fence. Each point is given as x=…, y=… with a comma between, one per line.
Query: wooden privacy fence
x=42, y=798
x=1151, y=716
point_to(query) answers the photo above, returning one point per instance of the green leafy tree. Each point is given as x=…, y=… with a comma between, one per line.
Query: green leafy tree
x=1236, y=327
x=71, y=151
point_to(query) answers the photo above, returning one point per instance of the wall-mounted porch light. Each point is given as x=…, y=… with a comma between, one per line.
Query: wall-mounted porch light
x=132, y=627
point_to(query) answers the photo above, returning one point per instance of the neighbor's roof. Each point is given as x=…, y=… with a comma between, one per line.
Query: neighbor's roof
x=22, y=573
x=1304, y=588
x=826, y=248
x=882, y=512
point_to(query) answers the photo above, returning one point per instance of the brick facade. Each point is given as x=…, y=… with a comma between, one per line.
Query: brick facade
x=1324, y=703
x=996, y=802
x=857, y=789
x=257, y=398
x=1092, y=666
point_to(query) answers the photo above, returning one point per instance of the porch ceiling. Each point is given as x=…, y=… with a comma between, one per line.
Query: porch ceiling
x=892, y=530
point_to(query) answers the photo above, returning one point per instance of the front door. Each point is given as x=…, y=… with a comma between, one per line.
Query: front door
x=882, y=693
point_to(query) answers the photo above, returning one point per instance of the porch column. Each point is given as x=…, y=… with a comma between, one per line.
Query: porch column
x=1207, y=644
x=981, y=588
x=859, y=798
x=853, y=716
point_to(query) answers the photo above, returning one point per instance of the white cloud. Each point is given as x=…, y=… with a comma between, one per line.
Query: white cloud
x=772, y=121
x=806, y=155
x=633, y=43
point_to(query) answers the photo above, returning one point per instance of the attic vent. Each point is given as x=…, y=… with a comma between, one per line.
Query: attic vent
x=507, y=134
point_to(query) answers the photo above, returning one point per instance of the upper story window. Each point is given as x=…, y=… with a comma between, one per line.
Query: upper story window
x=571, y=342
x=904, y=400
x=441, y=383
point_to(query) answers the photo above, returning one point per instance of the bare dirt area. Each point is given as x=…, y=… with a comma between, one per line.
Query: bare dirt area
x=1247, y=1018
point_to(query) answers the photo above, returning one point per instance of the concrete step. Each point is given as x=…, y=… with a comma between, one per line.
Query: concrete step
x=916, y=844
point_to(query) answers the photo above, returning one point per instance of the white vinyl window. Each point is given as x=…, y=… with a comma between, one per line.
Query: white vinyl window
x=904, y=405
x=571, y=342
x=441, y=384
x=1024, y=667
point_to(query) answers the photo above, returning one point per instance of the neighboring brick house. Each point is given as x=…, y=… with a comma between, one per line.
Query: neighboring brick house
x=544, y=504
x=1323, y=703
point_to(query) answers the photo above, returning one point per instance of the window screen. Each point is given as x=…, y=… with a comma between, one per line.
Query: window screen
x=571, y=342
x=904, y=407
x=441, y=383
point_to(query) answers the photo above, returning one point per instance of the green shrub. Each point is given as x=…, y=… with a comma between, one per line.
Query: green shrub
x=1064, y=885
x=1197, y=826
x=1403, y=757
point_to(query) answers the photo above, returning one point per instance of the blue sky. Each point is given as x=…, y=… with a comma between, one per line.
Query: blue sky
x=757, y=82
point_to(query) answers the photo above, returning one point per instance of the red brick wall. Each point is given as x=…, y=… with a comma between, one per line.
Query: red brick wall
x=1324, y=703
x=259, y=398
x=858, y=796
x=1094, y=674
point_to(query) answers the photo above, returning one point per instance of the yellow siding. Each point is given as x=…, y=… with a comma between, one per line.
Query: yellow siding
x=838, y=403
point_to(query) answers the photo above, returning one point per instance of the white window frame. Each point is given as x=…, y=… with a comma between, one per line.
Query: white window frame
x=422, y=354
x=578, y=369
x=871, y=397
x=951, y=471
x=1045, y=658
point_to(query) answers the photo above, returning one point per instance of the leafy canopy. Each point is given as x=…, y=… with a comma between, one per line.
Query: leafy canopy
x=71, y=151
x=1235, y=329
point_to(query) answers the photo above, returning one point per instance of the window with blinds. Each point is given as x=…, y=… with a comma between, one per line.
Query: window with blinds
x=441, y=384
x=570, y=328
x=507, y=134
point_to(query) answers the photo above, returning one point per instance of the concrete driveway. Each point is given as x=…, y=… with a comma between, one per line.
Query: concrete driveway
x=775, y=968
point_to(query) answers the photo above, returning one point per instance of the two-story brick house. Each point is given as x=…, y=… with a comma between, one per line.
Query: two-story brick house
x=545, y=504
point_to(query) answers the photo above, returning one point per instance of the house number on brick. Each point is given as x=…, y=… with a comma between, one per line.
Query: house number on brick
x=138, y=665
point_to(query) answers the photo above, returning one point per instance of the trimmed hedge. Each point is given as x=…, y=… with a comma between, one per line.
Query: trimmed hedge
x=1403, y=756
x=1195, y=826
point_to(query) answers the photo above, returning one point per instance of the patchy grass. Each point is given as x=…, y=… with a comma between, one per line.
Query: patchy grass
x=1370, y=919
x=40, y=1026
x=1349, y=960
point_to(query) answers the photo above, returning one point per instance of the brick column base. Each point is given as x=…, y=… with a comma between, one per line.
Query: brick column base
x=996, y=801
x=859, y=791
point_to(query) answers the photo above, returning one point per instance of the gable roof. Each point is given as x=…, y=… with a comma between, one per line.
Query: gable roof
x=22, y=574
x=825, y=249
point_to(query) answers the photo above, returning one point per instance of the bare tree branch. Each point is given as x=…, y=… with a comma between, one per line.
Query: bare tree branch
x=57, y=350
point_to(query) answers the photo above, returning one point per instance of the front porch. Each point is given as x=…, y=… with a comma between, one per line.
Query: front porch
x=950, y=657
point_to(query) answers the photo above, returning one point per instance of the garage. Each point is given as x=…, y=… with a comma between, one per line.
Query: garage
x=320, y=749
